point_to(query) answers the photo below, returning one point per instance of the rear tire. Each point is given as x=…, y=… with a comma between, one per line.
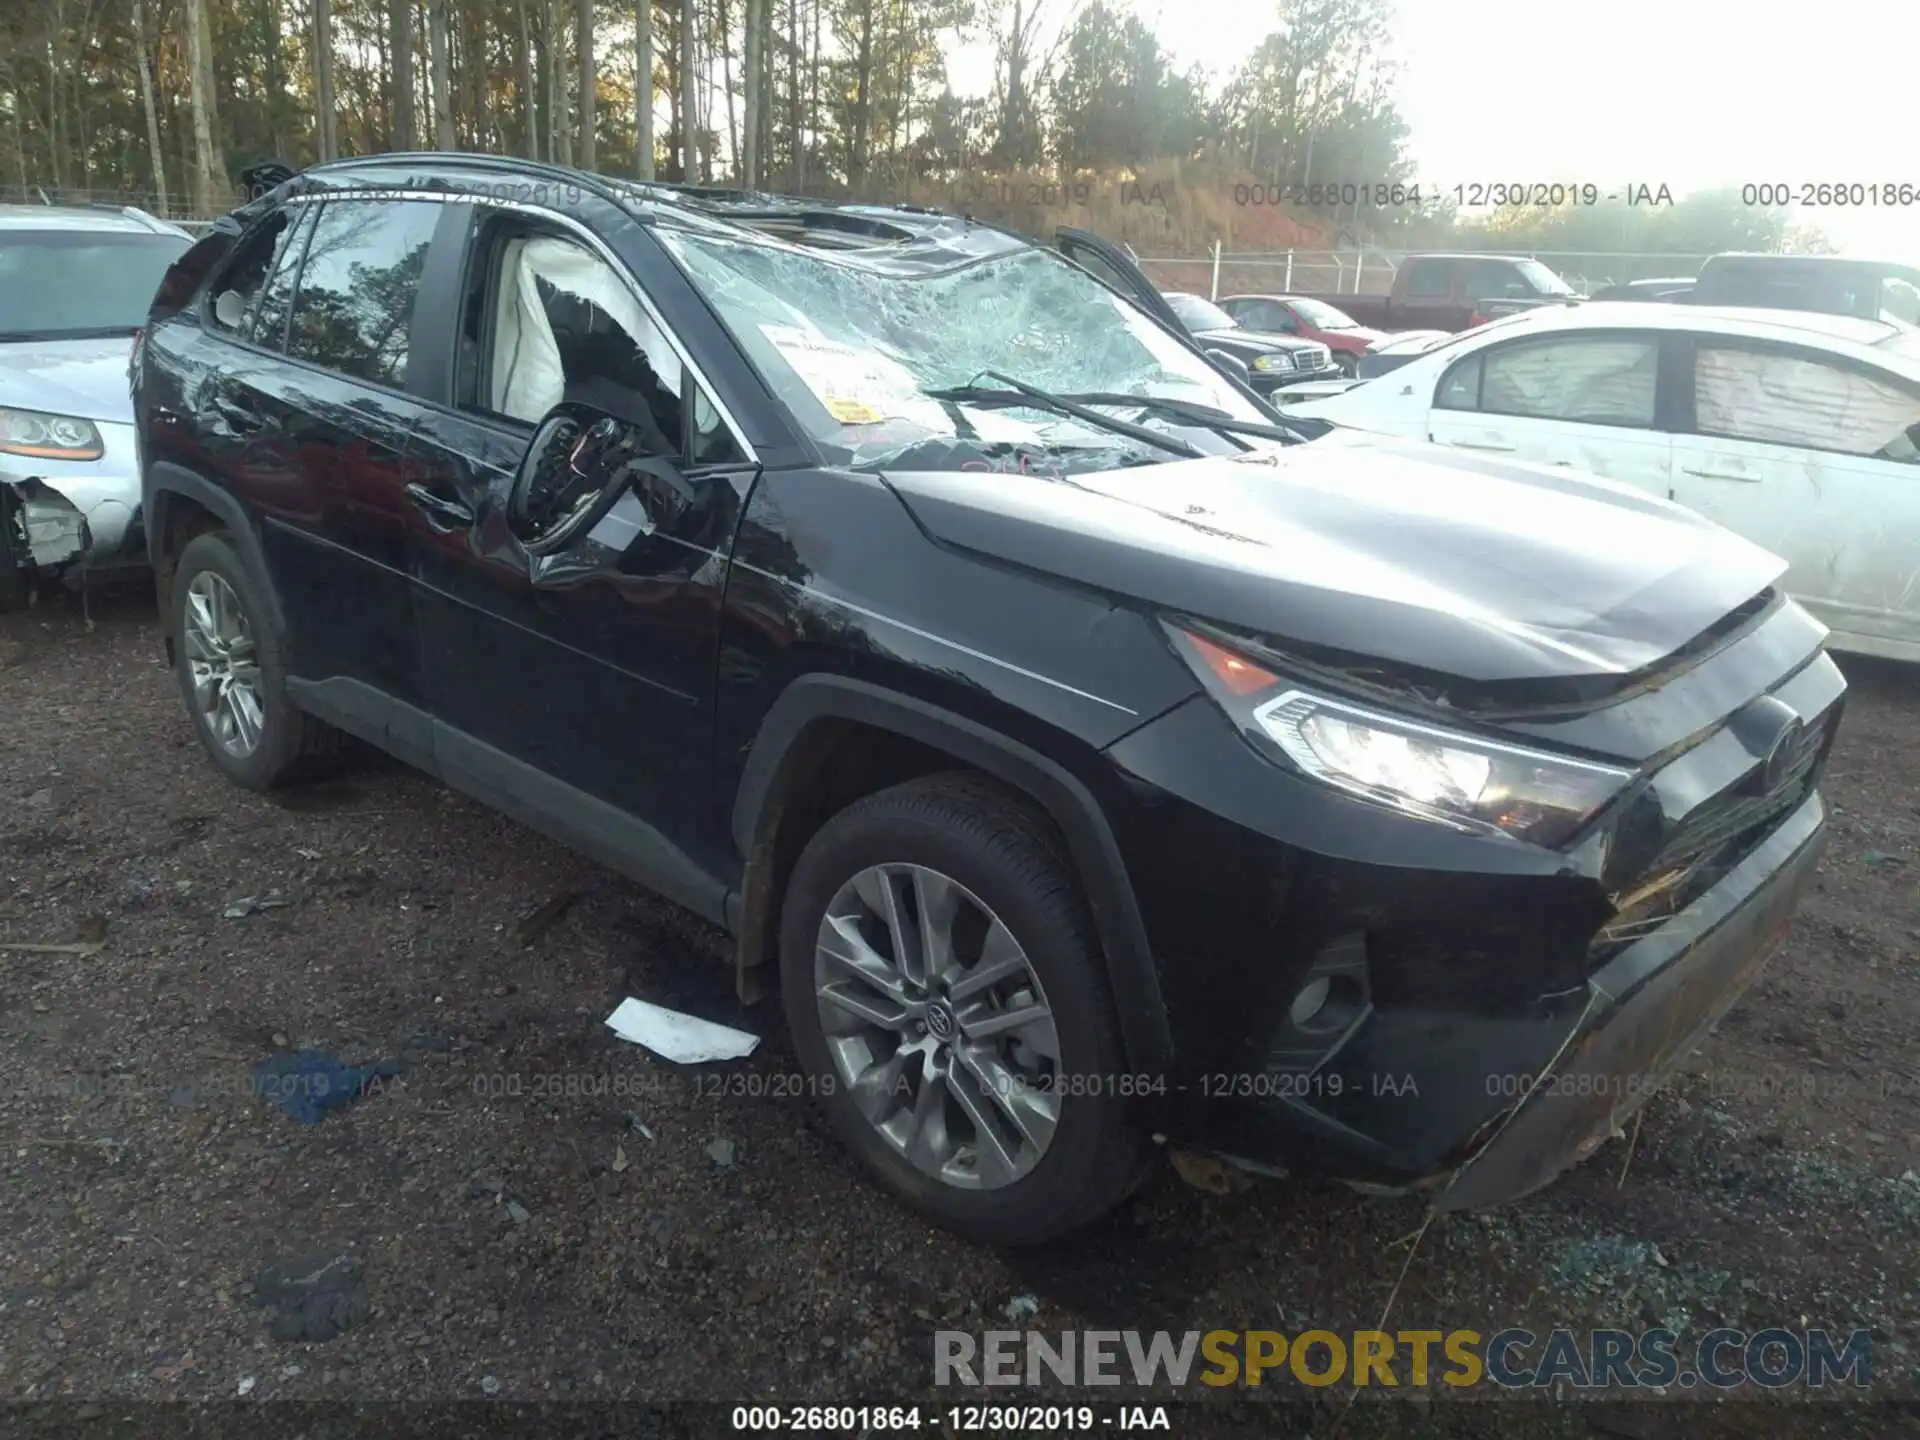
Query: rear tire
x=232, y=669
x=984, y=869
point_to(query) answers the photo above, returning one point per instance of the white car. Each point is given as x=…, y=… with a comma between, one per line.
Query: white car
x=1799, y=431
x=75, y=284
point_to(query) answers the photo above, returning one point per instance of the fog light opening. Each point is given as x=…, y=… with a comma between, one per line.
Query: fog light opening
x=1326, y=1003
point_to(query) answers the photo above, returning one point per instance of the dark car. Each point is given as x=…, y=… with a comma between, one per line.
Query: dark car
x=1867, y=289
x=1086, y=760
x=1273, y=359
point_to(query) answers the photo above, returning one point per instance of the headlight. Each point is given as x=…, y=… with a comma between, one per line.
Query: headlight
x=1447, y=776
x=1271, y=362
x=48, y=437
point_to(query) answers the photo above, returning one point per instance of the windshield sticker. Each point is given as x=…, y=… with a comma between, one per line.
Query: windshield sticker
x=856, y=386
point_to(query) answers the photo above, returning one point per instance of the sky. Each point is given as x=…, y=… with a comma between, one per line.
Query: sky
x=1687, y=93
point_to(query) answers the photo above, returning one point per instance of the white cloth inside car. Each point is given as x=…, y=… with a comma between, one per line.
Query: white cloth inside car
x=529, y=377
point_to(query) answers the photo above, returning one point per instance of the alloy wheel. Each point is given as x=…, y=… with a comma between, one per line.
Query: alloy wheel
x=937, y=1025
x=224, y=664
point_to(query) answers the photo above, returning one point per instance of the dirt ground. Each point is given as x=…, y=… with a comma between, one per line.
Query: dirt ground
x=532, y=1210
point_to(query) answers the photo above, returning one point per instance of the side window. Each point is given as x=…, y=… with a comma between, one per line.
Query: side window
x=1779, y=398
x=269, y=326
x=566, y=326
x=1595, y=380
x=268, y=251
x=1266, y=315
x=1492, y=280
x=354, y=307
x=1429, y=279
x=1460, y=386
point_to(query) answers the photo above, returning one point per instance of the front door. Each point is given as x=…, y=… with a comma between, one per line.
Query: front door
x=1577, y=401
x=576, y=681
x=1818, y=460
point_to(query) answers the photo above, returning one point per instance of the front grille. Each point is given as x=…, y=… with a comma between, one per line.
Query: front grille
x=1315, y=358
x=1710, y=841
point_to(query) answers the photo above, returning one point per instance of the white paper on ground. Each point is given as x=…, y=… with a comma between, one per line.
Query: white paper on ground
x=683, y=1039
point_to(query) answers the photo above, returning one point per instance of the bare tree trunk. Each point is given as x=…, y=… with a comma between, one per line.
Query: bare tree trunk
x=863, y=92
x=643, y=89
x=756, y=93
x=400, y=28
x=438, y=81
x=209, y=167
x=552, y=69
x=529, y=102
x=585, y=146
x=796, y=156
x=726, y=86
x=689, y=109
x=146, y=101
x=325, y=135
x=478, y=48
x=813, y=75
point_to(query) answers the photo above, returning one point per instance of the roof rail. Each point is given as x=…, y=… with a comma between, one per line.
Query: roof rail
x=579, y=179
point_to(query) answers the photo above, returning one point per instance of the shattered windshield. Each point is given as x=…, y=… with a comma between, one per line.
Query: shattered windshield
x=852, y=346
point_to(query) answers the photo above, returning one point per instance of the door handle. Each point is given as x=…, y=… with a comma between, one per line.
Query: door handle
x=441, y=512
x=1743, y=477
x=241, y=417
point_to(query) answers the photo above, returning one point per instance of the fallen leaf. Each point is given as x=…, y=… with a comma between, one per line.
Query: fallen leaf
x=1208, y=1172
x=620, y=1161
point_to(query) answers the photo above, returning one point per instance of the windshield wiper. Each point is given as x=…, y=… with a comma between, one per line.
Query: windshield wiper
x=1203, y=415
x=89, y=332
x=1018, y=392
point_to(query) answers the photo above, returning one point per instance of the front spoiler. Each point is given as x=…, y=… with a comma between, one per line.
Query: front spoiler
x=1649, y=1007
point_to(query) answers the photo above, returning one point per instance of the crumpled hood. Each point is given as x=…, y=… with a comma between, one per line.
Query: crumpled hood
x=1399, y=551
x=84, y=378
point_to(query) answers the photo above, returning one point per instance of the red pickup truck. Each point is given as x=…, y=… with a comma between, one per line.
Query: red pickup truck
x=1456, y=292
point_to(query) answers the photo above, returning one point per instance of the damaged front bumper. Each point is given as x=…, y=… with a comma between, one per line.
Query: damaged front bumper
x=1382, y=1001
x=1649, y=1006
x=65, y=515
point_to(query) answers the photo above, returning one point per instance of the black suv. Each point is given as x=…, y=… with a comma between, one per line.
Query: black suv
x=1089, y=759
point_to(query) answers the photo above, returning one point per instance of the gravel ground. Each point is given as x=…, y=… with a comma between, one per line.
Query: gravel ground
x=530, y=1209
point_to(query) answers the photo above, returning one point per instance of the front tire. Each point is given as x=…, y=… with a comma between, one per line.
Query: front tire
x=232, y=669
x=947, y=995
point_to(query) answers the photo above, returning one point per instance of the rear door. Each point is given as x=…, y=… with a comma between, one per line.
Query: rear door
x=1580, y=400
x=333, y=521
x=1816, y=457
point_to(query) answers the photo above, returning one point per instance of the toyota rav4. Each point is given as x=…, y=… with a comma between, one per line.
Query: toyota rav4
x=1087, y=757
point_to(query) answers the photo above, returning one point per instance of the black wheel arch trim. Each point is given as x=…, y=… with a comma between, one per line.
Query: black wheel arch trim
x=165, y=479
x=1096, y=856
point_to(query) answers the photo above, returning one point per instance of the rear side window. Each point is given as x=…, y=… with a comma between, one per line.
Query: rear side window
x=270, y=250
x=1429, y=279
x=354, y=307
x=269, y=323
x=1592, y=380
x=1779, y=398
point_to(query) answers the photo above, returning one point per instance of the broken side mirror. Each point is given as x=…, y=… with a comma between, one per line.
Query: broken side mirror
x=230, y=309
x=580, y=463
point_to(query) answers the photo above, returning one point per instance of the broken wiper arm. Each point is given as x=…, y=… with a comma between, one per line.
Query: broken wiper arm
x=1020, y=393
x=1202, y=415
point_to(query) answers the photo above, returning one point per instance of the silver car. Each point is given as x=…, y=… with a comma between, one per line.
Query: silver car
x=75, y=284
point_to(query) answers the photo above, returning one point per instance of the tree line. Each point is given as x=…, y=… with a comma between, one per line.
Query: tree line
x=165, y=102
x=172, y=98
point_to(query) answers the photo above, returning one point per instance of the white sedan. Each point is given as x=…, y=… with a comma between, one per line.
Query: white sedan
x=1799, y=431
